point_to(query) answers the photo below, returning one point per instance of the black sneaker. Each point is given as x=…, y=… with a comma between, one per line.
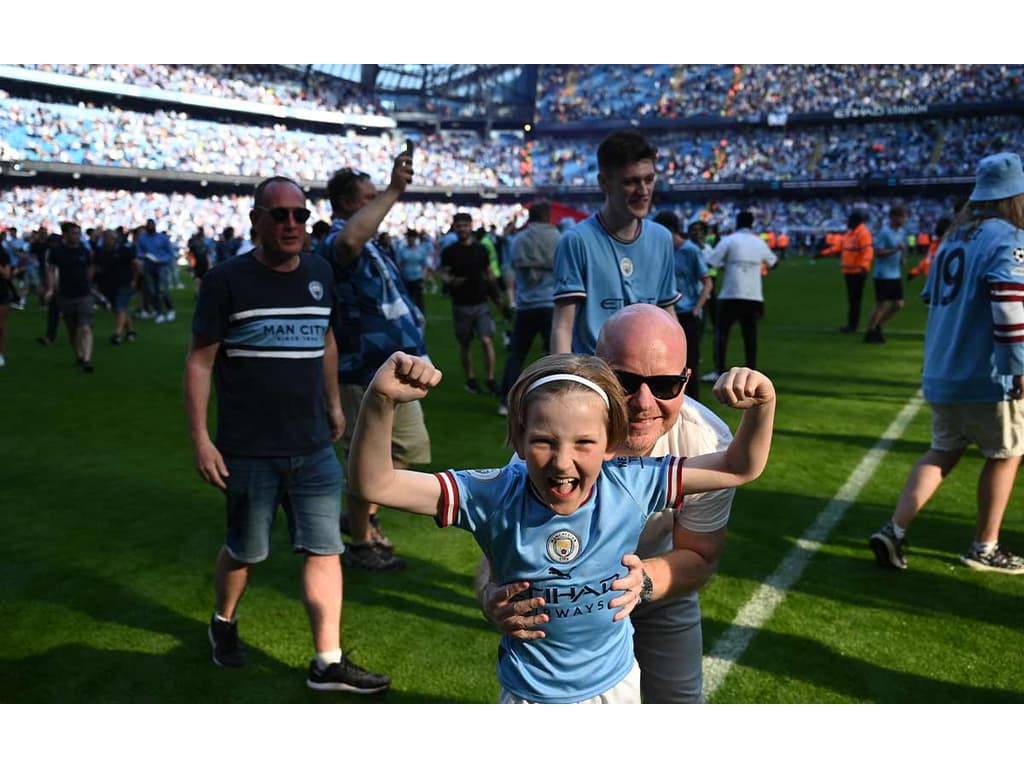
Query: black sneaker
x=371, y=557
x=115, y=339
x=492, y=387
x=888, y=547
x=87, y=366
x=473, y=388
x=346, y=675
x=228, y=650
x=874, y=336
x=998, y=560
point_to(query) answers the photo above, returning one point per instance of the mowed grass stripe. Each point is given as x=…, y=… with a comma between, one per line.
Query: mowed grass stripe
x=759, y=609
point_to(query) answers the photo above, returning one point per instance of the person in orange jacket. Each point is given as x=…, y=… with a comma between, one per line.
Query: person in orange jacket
x=855, y=263
x=833, y=246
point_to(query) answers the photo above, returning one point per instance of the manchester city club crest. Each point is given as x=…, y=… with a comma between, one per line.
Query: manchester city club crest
x=626, y=265
x=563, y=547
x=316, y=289
x=1018, y=255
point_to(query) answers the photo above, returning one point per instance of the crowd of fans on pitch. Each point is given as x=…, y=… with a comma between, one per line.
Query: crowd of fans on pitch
x=27, y=209
x=575, y=92
x=79, y=134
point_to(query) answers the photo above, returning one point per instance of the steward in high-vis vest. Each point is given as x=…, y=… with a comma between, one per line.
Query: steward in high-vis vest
x=855, y=260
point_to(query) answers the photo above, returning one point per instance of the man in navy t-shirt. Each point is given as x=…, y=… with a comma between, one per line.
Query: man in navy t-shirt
x=262, y=331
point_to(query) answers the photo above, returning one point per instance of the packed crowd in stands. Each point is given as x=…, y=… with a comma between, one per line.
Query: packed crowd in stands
x=931, y=148
x=575, y=92
x=260, y=83
x=80, y=134
x=28, y=208
x=84, y=135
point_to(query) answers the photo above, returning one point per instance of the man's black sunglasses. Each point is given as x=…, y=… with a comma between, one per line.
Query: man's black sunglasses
x=664, y=387
x=281, y=214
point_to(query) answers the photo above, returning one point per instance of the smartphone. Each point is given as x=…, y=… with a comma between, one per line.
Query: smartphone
x=408, y=147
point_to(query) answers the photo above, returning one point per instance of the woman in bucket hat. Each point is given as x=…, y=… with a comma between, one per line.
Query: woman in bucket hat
x=973, y=364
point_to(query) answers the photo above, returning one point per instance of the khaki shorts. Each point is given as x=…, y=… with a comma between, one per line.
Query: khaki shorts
x=78, y=311
x=473, y=320
x=410, y=443
x=996, y=428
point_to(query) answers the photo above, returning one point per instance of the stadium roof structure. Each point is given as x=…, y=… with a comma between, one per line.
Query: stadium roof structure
x=506, y=92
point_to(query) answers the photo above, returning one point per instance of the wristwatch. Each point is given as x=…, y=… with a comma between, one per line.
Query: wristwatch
x=647, y=590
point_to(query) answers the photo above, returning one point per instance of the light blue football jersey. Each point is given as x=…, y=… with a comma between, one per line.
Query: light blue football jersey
x=888, y=267
x=607, y=274
x=569, y=560
x=691, y=269
x=974, y=339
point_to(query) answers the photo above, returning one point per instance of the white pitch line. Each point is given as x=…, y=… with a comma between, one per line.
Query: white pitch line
x=756, y=612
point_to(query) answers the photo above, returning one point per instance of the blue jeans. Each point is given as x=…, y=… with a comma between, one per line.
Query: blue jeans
x=309, y=489
x=163, y=290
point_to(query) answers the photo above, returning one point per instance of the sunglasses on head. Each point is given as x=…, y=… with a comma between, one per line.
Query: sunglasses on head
x=664, y=387
x=281, y=214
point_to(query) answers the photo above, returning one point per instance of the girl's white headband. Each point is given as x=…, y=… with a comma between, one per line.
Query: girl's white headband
x=570, y=377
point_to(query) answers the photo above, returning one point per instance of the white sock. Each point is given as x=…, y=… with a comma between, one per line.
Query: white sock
x=898, y=529
x=327, y=658
x=986, y=548
x=218, y=617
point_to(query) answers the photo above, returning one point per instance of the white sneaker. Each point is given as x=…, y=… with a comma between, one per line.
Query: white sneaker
x=711, y=376
x=171, y=316
x=2, y=361
x=160, y=319
x=502, y=409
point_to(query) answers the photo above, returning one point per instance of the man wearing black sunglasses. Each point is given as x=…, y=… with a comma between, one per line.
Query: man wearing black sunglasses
x=375, y=317
x=262, y=334
x=646, y=347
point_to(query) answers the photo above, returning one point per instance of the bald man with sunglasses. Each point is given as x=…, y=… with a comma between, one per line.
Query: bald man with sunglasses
x=646, y=347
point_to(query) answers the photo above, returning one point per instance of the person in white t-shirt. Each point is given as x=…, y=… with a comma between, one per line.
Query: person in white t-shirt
x=741, y=257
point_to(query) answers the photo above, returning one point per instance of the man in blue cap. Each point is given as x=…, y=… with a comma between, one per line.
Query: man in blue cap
x=973, y=364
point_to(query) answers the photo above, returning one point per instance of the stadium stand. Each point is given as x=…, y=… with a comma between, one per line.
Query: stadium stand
x=729, y=135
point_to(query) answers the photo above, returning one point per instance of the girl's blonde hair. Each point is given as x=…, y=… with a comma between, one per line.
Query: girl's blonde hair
x=592, y=369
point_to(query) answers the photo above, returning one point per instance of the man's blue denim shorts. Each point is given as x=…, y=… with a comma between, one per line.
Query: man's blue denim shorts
x=309, y=489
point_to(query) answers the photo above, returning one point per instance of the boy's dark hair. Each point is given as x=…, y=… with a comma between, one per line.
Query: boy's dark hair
x=744, y=220
x=462, y=216
x=622, y=148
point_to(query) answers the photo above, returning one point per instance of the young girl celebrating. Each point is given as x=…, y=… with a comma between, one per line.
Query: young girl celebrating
x=562, y=518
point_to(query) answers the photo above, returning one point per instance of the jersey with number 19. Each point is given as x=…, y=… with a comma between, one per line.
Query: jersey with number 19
x=569, y=560
x=975, y=335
